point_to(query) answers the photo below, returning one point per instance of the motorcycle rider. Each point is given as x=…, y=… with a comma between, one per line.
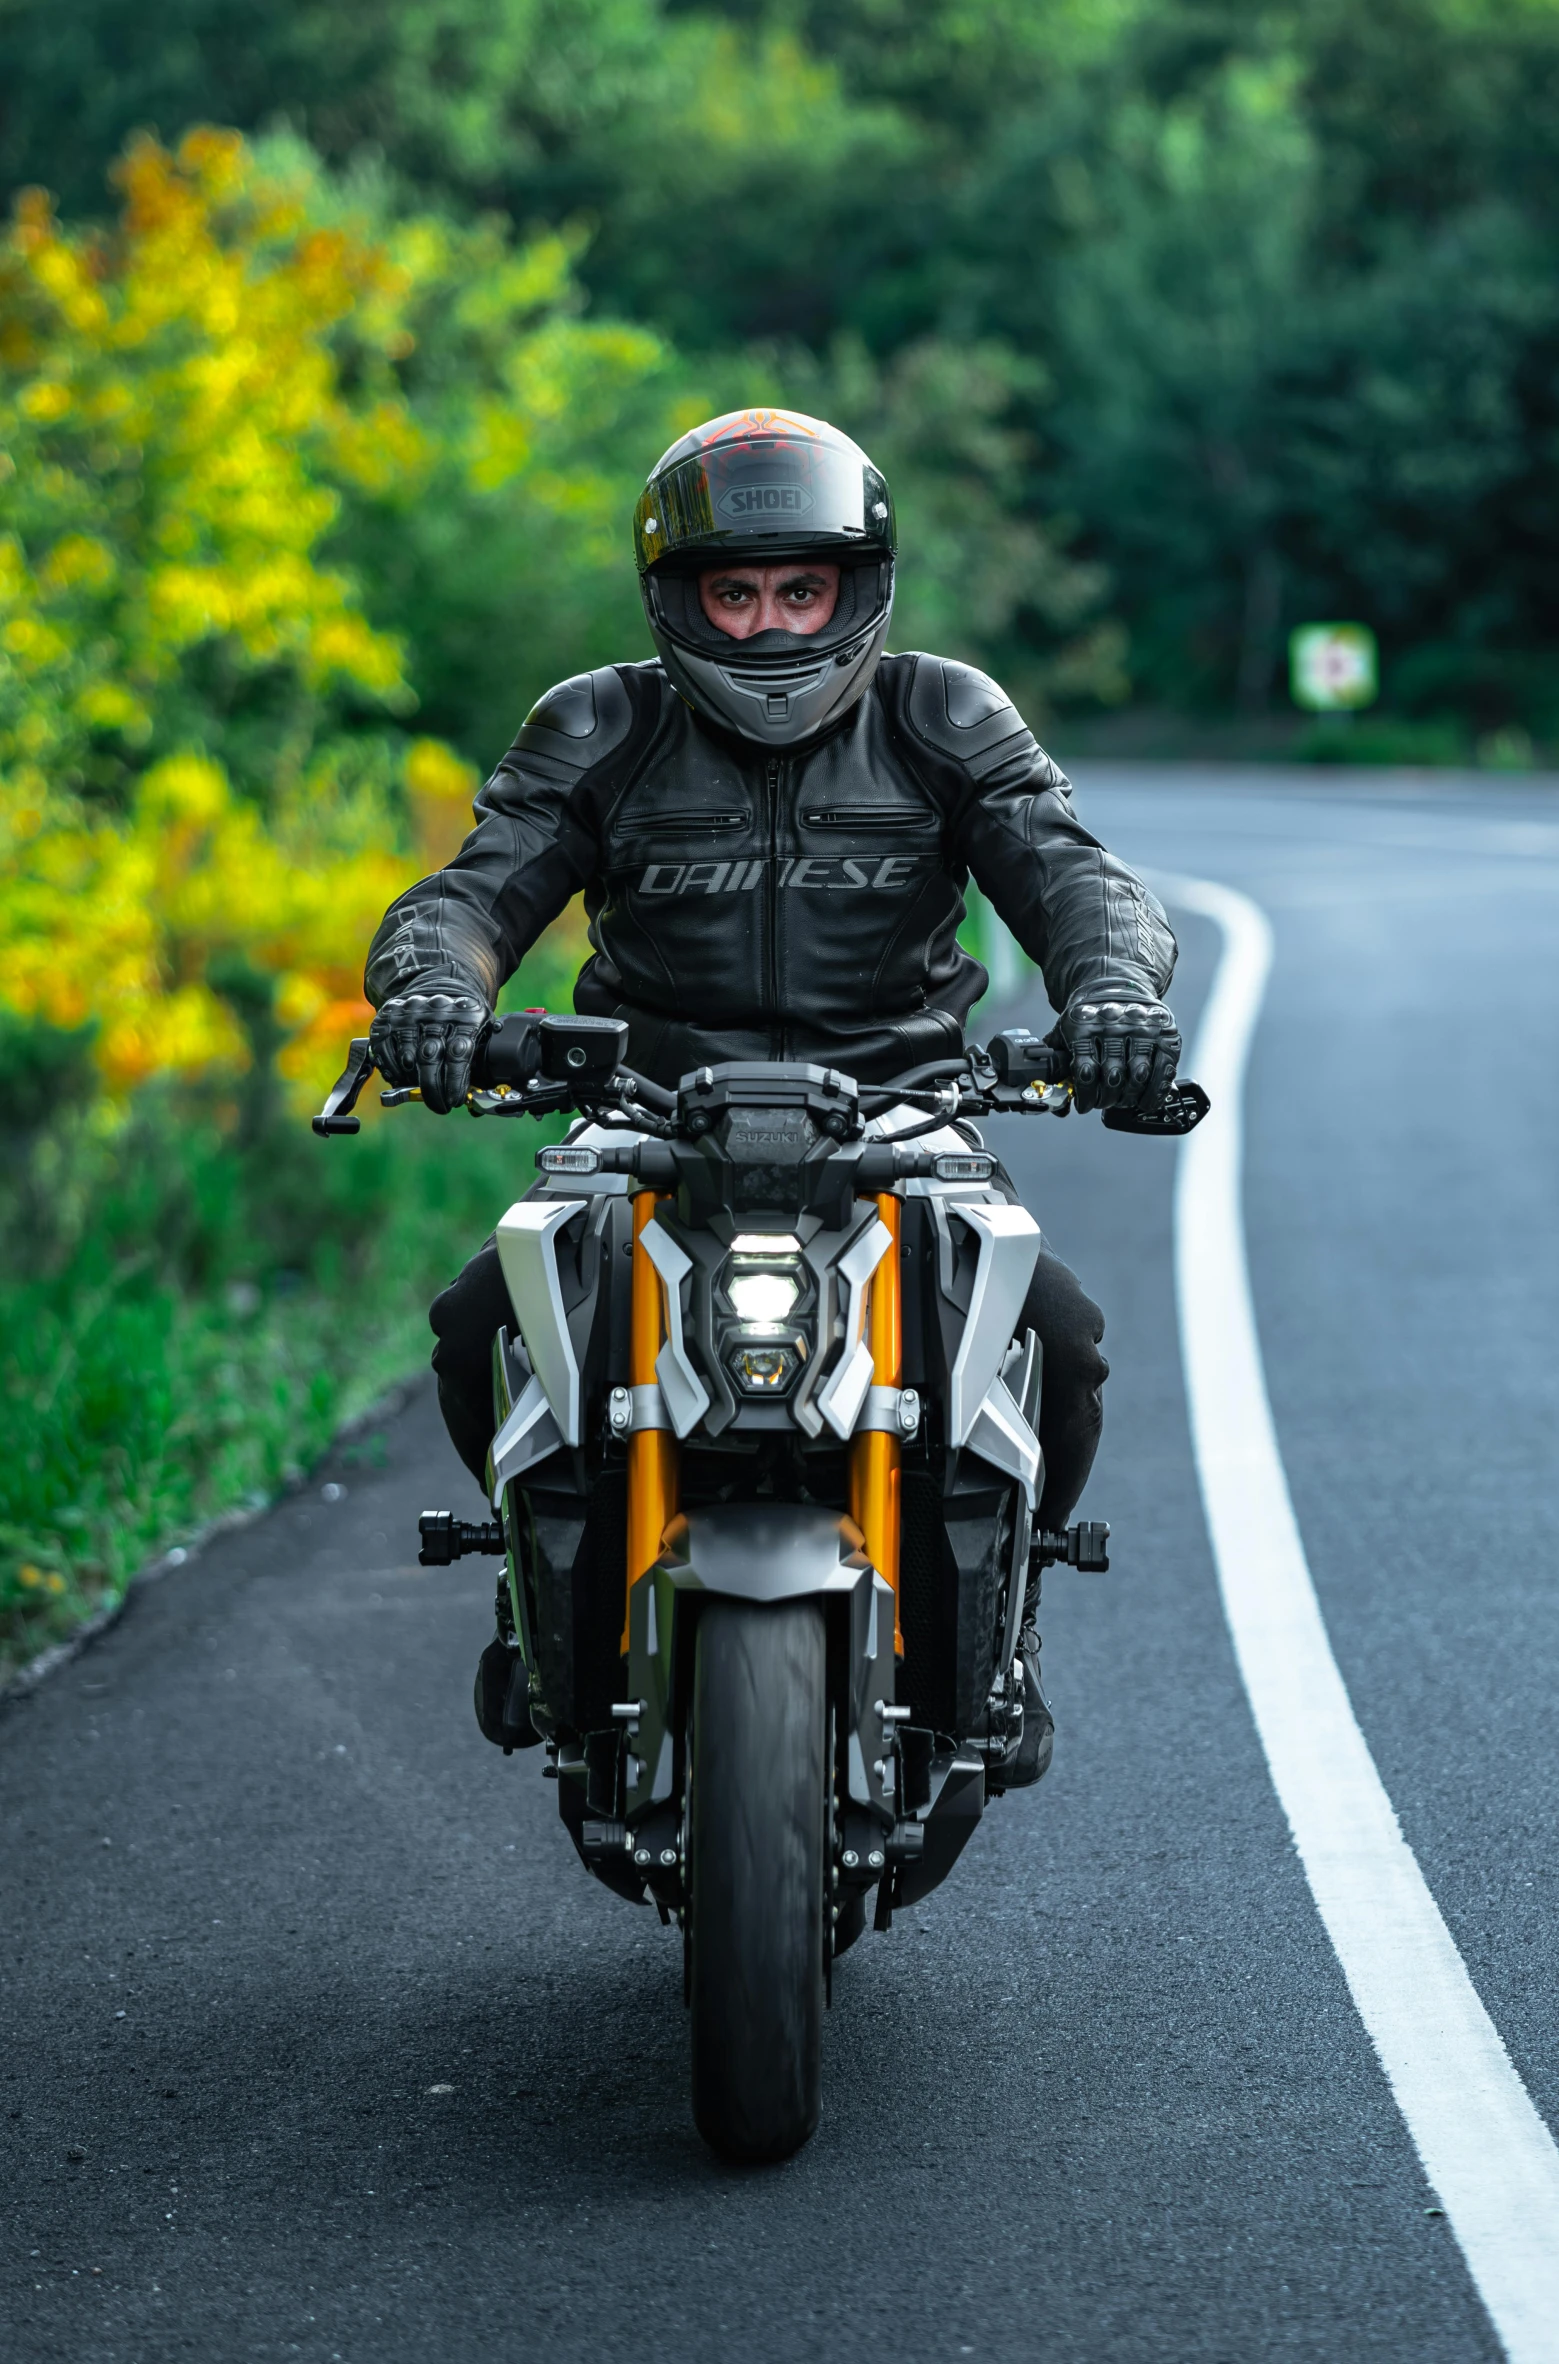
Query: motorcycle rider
x=772, y=824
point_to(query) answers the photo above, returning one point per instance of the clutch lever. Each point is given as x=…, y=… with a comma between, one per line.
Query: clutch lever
x=336, y=1115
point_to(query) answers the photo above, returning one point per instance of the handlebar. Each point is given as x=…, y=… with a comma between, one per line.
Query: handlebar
x=548, y=1062
x=538, y=1065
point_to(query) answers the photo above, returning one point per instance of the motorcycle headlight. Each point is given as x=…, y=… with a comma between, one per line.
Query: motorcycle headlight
x=764, y=1342
x=764, y=1297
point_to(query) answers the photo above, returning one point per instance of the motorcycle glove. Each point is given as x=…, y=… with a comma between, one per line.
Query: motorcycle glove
x=1123, y=1053
x=428, y=1040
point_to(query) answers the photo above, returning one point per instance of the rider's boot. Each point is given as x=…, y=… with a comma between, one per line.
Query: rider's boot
x=1037, y=1745
x=502, y=1697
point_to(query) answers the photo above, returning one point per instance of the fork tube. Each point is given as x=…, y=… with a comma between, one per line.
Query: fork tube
x=874, y=1454
x=652, y=1452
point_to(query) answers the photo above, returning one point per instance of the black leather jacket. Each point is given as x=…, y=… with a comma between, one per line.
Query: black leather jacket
x=803, y=905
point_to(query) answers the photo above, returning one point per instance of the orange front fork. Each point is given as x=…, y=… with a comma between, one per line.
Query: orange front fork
x=875, y=1455
x=652, y=1452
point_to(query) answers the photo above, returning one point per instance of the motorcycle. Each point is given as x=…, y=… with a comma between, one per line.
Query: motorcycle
x=764, y=1476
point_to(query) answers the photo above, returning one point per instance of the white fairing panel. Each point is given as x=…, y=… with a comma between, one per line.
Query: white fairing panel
x=841, y=1400
x=1008, y=1239
x=528, y=1435
x=1001, y=1436
x=686, y=1396
x=527, y=1251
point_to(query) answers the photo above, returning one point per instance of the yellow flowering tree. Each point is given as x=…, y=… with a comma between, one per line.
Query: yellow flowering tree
x=159, y=522
x=206, y=759
x=301, y=505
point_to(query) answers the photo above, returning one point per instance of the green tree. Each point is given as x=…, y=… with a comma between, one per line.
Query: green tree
x=1267, y=282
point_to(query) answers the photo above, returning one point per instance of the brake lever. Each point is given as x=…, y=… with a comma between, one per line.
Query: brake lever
x=336, y=1115
x=1180, y=1111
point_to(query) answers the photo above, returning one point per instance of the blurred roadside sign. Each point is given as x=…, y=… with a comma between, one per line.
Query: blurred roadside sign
x=1332, y=666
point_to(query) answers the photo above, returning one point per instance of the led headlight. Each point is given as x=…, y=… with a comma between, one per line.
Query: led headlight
x=761, y=1296
x=764, y=1344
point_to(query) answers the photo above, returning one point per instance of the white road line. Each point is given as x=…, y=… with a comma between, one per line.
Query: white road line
x=1485, y=2149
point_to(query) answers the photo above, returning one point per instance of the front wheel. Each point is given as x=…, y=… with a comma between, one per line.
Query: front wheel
x=757, y=1812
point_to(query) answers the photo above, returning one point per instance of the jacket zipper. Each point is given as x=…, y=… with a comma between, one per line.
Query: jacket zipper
x=876, y=816
x=687, y=817
x=776, y=1028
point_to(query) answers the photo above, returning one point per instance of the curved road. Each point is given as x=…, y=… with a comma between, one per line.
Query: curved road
x=315, y=2041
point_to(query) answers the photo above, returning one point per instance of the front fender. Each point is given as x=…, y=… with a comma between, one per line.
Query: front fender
x=764, y=1551
x=761, y=1552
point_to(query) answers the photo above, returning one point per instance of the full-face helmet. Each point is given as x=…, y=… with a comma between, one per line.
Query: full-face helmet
x=755, y=488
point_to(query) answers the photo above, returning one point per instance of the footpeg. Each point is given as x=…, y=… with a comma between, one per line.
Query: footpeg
x=446, y=1538
x=1084, y=1546
x=906, y=1842
x=600, y=1839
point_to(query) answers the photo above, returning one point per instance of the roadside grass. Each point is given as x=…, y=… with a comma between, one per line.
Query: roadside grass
x=189, y=1315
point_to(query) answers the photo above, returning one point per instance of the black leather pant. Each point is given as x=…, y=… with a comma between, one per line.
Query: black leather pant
x=1068, y=1324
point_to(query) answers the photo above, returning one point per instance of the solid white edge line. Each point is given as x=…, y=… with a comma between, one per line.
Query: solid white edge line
x=1484, y=2146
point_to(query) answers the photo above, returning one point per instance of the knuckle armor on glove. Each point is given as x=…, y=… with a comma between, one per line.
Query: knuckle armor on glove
x=428, y=1040
x=1124, y=1052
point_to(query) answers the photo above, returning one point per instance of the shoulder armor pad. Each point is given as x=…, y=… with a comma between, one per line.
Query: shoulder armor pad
x=579, y=721
x=961, y=712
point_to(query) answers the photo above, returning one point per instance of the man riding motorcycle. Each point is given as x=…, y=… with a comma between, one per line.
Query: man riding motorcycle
x=772, y=825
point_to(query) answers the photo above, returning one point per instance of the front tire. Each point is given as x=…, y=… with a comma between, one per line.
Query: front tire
x=756, y=1822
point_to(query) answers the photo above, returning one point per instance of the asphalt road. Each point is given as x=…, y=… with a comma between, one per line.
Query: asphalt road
x=317, y=2042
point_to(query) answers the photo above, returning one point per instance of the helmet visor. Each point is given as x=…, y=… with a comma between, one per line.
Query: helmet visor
x=767, y=494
